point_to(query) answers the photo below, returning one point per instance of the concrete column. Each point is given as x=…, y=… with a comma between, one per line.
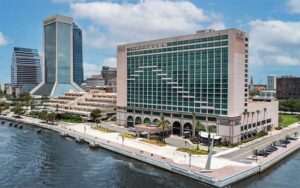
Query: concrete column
x=148, y=136
x=181, y=129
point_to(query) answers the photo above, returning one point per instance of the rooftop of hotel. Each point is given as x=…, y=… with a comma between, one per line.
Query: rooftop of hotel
x=201, y=33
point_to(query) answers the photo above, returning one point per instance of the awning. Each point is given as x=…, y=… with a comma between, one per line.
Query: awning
x=205, y=135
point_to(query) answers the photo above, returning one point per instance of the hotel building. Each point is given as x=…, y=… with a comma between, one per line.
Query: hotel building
x=199, y=77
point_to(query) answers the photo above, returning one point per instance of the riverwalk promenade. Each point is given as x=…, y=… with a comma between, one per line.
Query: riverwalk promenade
x=223, y=171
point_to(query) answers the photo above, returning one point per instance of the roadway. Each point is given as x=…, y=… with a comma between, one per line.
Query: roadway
x=247, y=150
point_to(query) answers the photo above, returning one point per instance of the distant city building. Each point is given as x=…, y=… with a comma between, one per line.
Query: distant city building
x=267, y=94
x=95, y=80
x=108, y=73
x=200, y=77
x=288, y=88
x=2, y=87
x=271, y=85
x=77, y=55
x=25, y=70
x=8, y=89
x=59, y=46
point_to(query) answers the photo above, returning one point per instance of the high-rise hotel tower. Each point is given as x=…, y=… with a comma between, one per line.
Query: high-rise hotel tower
x=62, y=57
x=199, y=77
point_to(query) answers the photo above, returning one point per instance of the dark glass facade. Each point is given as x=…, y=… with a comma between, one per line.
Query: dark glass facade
x=60, y=57
x=77, y=55
x=50, y=53
x=180, y=76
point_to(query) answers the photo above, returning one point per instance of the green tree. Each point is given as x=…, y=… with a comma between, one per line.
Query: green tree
x=254, y=92
x=18, y=109
x=51, y=117
x=211, y=129
x=164, y=124
x=43, y=115
x=200, y=127
x=95, y=114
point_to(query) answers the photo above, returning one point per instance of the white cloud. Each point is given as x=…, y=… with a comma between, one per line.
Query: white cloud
x=3, y=40
x=92, y=69
x=294, y=6
x=112, y=62
x=118, y=23
x=67, y=1
x=274, y=42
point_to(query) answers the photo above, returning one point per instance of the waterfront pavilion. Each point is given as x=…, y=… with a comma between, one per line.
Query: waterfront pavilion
x=143, y=129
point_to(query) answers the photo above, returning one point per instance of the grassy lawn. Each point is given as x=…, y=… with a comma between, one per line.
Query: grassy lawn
x=287, y=119
x=155, y=142
x=106, y=130
x=130, y=136
x=73, y=120
x=194, y=151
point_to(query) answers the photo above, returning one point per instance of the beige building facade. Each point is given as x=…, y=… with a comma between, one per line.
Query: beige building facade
x=200, y=77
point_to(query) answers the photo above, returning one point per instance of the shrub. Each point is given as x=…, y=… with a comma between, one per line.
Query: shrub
x=261, y=134
x=193, y=151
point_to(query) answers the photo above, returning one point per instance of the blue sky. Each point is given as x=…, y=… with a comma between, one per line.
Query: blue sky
x=273, y=26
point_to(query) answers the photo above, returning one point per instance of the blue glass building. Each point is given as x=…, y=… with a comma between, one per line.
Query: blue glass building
x=77, y=55
x=59, y=66
x=25, y=70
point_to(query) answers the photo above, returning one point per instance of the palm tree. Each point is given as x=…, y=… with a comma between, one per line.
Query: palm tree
x=252, y=113
x=265, y=110
x=200, y=128
x=51, y=117
x=163, y=123
x=43, y=115
x=210, y=129
x=257, y=113
x=244, y=114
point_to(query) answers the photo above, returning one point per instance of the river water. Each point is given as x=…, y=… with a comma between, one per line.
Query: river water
x=28, y=159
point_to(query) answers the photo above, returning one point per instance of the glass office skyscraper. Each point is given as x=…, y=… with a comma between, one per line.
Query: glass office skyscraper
x=59, y=68
x=25, y=70
x=77, y=55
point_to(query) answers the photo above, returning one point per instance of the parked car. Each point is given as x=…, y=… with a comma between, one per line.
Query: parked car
x=285, y=141
x=261, y=153
x=291, y=138
x=279, y=144
x=132, y=129
x=274, y=148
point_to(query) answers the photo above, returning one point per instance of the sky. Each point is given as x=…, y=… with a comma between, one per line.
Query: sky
x=273, y=27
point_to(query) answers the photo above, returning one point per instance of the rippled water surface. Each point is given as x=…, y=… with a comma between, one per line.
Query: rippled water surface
x=28, y=159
